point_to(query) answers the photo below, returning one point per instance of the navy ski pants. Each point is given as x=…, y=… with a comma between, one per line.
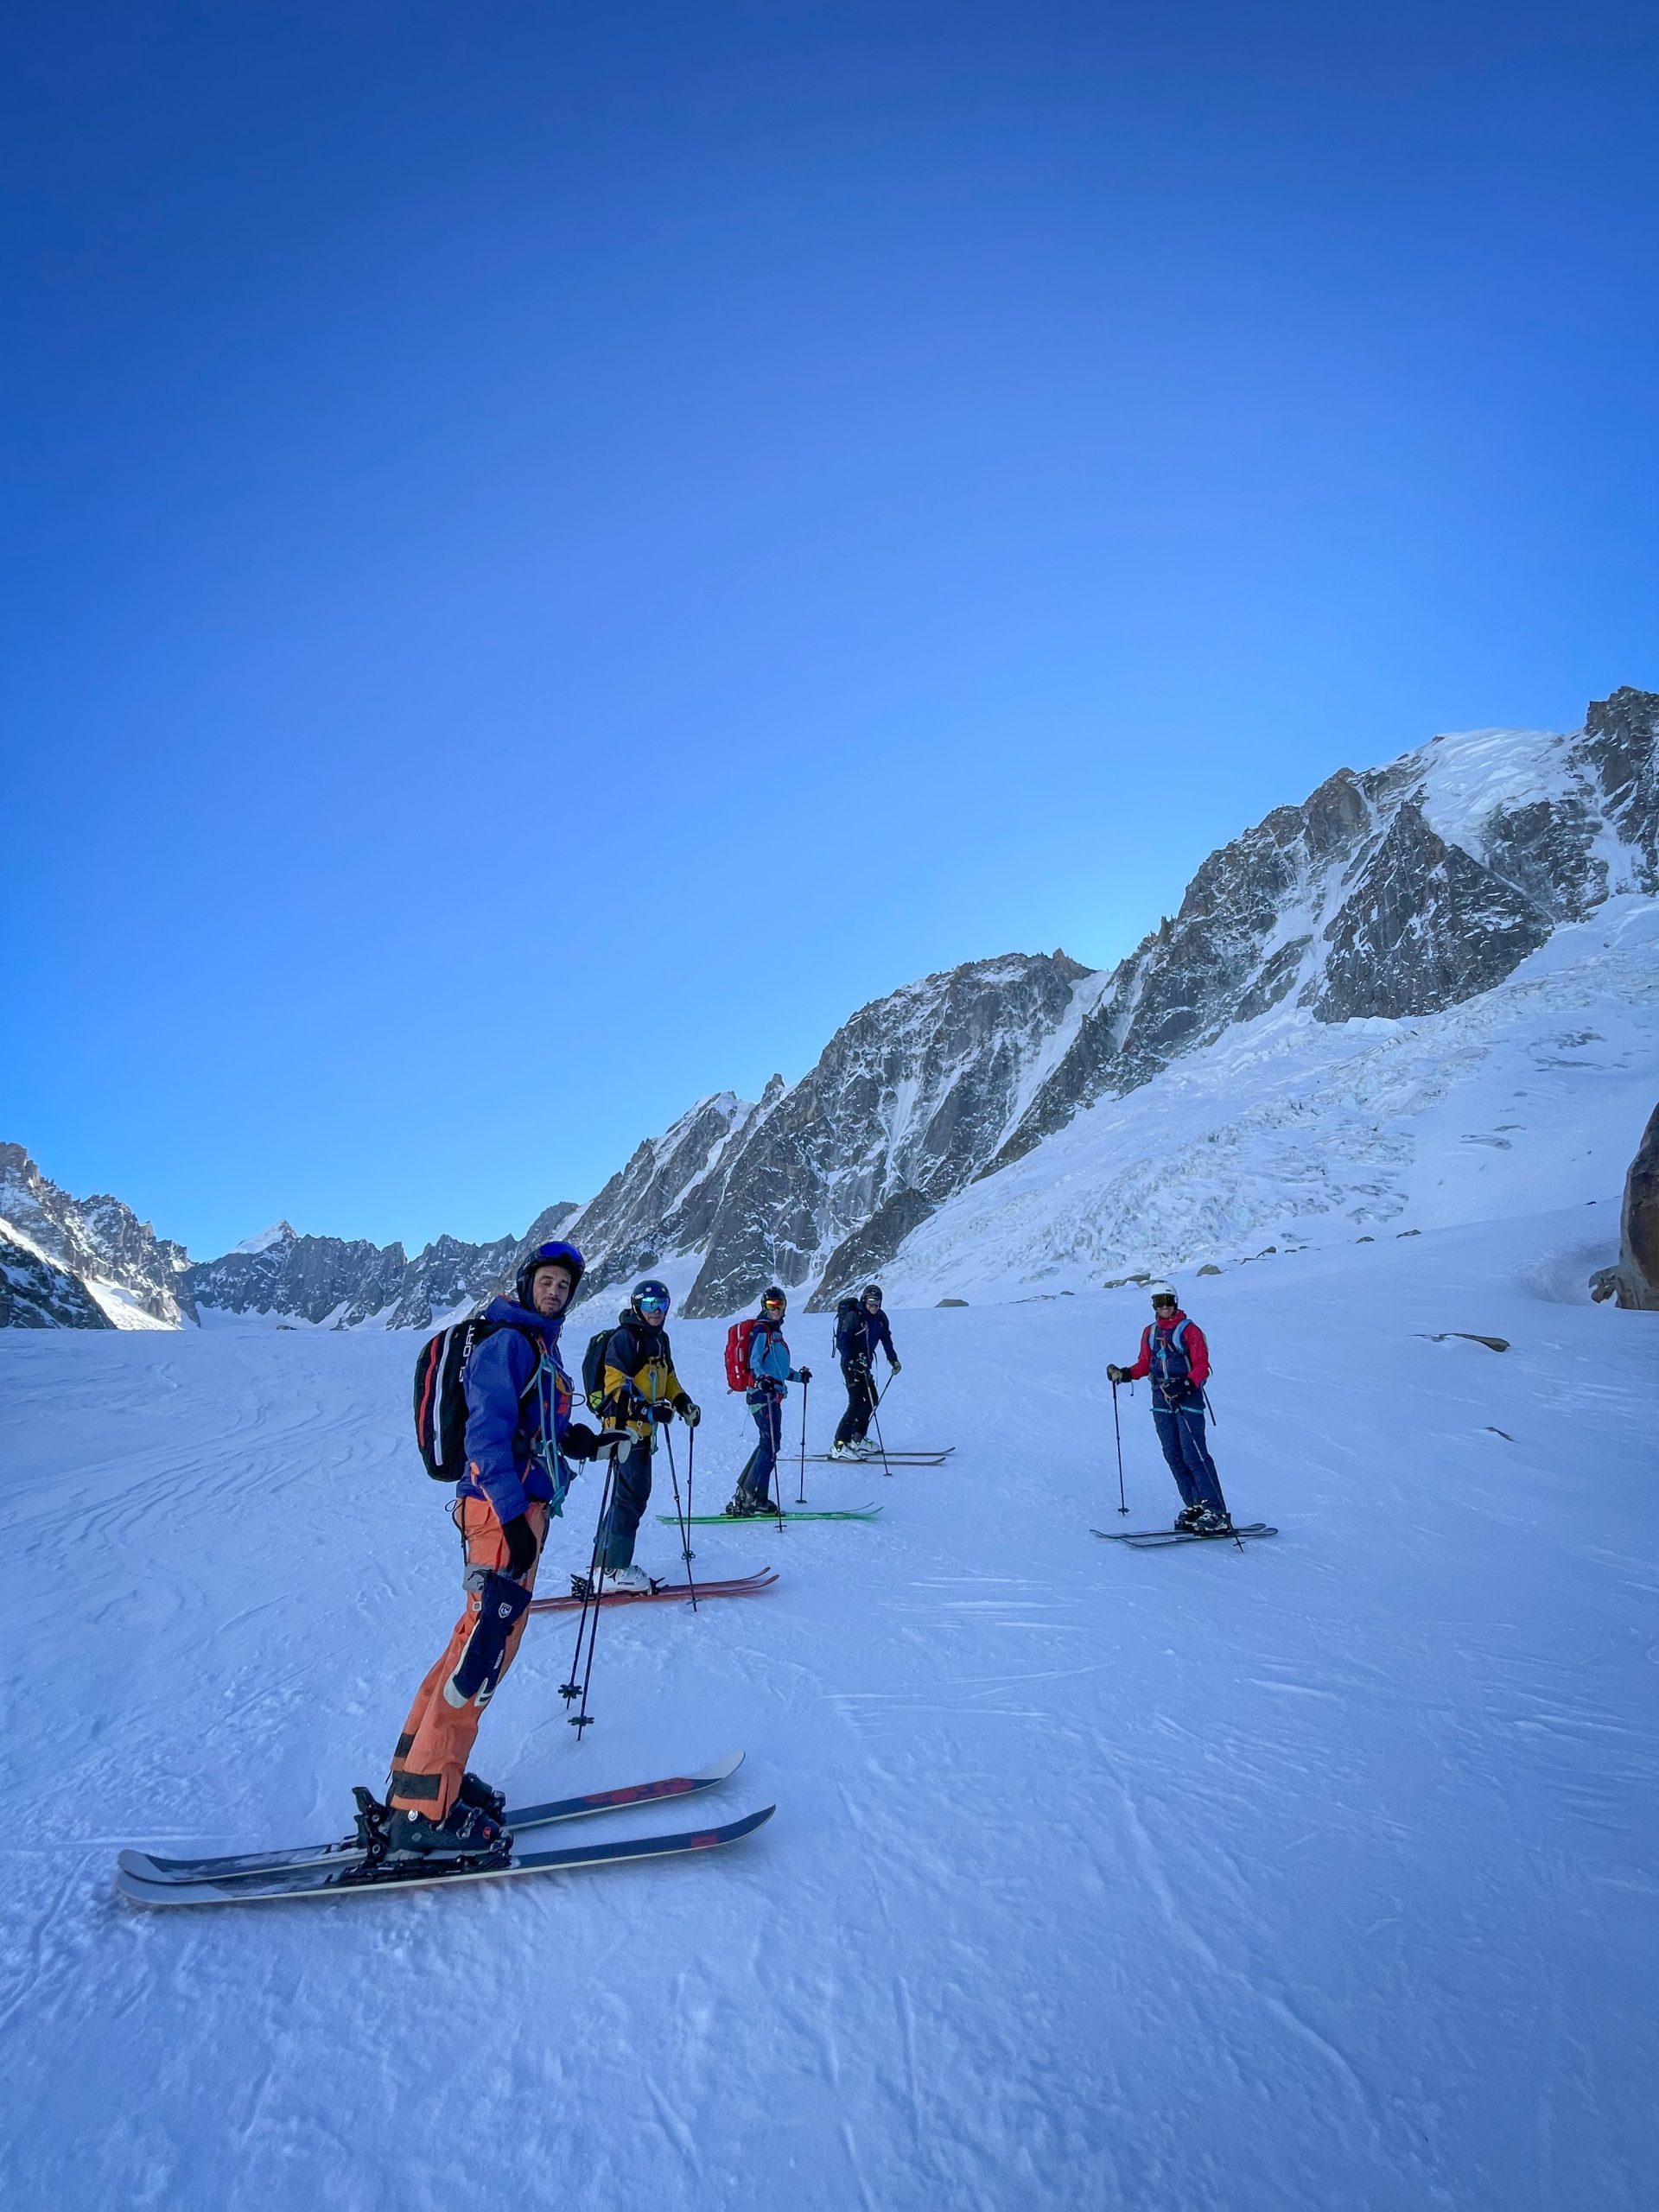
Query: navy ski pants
x=630, y=1495
x=1180, y=1431
x=755, y=1481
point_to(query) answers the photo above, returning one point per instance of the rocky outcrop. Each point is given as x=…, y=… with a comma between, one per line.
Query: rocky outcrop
x=1636, y=1283
x=37, y=1293
x=96, y=1239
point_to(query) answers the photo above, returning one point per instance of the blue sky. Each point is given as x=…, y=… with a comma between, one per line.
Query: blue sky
x=552, y=553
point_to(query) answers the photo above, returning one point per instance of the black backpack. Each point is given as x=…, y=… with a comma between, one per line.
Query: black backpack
x=440, y=1400
x=592, y=1360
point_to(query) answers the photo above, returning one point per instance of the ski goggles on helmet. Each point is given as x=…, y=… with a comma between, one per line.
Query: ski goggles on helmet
x=652, y=1302
x=775, y=1304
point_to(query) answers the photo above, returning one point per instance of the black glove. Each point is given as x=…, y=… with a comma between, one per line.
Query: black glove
x=804, y=1374
x=688, y=1412
x=1117, y=1374
x=660, y=1411
x=522, y=1546
x=579, y=1442
x=896, y=1365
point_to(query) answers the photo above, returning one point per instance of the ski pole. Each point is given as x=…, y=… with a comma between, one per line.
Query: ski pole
x=801, y=1498
x=590, y=1605
x=690, y=1463
x=1196, y=1434
x=876, y=1396
x=775, y=1417
x=685, y=1533
x=880, y=1442
x=1122, y=1502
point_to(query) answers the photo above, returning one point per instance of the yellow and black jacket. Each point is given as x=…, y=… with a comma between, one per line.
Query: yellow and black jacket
x=638, y=1375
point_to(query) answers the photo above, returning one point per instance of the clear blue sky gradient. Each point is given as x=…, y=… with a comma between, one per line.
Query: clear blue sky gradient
x=553, y=552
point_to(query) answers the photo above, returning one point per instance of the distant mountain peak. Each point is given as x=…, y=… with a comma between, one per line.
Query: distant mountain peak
x=280, y=1232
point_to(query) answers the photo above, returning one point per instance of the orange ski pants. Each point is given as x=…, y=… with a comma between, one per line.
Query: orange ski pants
x=442, y=1724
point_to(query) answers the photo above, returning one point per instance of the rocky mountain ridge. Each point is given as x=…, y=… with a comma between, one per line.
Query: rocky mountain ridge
x=1388, y=895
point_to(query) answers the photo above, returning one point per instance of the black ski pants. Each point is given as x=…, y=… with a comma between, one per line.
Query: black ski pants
x=860, y=1403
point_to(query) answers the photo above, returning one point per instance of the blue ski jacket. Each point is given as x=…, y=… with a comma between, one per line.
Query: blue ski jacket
x=517, y=1410
x=769, y=1364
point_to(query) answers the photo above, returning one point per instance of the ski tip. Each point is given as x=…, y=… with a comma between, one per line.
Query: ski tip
x=718, y=1769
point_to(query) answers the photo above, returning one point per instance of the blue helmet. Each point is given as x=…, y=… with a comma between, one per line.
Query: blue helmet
x=651, y=1299
x=545, y=1255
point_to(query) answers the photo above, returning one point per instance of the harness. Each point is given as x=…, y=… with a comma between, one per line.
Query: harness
x=1166, y=1357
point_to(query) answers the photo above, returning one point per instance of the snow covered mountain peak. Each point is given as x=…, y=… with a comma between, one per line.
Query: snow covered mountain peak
x=280, y=1232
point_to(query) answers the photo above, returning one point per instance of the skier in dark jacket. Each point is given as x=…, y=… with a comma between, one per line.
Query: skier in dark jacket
x=519, y=1441
x=1174, y=1354
x=769, y=1364
x=640, y=1393
x=861, y=1328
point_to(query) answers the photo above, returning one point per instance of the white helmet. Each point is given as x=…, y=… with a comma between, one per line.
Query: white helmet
x=1157, y=1290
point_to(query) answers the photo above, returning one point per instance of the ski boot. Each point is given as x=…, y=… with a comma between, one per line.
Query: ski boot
x=1189, y=1518
x=464, y=1837
x=1213, y=1521
x=743, y=1505
x=475, y=1791
x=630, y=1578
x=844, y=1451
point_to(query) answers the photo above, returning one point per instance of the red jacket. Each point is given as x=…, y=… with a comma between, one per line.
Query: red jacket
x=1192, y=1345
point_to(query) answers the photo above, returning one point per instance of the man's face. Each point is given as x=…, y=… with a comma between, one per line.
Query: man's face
x=871, y=1303
x=549, y=1289
x=1163, y=1308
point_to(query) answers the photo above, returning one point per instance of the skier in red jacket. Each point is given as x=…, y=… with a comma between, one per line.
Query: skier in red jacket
x=1174, y=1354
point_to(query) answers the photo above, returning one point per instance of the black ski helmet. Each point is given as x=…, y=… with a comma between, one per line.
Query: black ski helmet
x=871, y=1290
x=654, y=1292
x=548, y=1255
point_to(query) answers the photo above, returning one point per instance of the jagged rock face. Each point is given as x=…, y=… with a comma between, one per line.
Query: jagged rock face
x=1396, y=892
x=1618, y=751
x=665, y=1198
x=37, y=1293
x=909, y=1099
x=1638, y=1282
x=98, y=1239
x=1424, y=927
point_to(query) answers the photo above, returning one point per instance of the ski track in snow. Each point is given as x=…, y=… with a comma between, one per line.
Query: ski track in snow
x=1313, y=1876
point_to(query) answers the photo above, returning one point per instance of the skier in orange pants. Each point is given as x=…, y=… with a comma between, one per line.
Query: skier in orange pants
x=519, y=1437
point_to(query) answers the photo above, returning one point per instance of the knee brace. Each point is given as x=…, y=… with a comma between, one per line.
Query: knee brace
x=501, y=1603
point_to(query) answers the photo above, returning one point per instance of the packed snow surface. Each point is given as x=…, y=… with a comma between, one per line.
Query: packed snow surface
x=1305, y=1876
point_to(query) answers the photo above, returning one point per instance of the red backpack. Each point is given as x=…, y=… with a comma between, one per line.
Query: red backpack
x=740, y=1340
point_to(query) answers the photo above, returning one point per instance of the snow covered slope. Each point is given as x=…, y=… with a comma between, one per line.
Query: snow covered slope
x=1289, y=1129
x=1308, y=1878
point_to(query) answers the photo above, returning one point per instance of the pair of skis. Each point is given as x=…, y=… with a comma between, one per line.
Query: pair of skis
x=1149, y=1540
x=917, y=1459
x=770, y=1519
x=343, y=1869
x=662, y=1593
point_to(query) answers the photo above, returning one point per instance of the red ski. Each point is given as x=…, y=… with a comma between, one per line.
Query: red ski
x=740, y=1586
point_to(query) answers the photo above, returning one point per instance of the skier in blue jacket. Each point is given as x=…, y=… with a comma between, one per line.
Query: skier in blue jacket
x=769, y=1364
x=519, y=1441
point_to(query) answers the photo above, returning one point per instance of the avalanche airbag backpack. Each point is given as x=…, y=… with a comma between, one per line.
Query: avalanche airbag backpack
x=440, y=1400
x=739, y=1341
